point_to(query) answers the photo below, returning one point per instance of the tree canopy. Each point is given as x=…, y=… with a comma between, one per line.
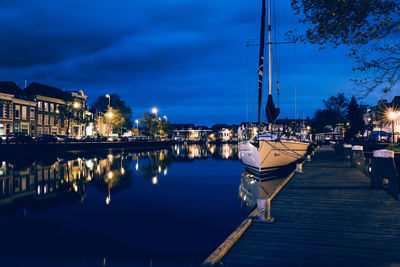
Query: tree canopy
x=370, y=29
x=118, y=105
x=333, y=114
x=69, y=113
x=355, y=125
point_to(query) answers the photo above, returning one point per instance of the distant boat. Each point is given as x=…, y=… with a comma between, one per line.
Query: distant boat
x=267, y=151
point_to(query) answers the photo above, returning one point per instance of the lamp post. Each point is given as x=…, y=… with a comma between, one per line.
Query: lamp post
x=137, y=127
x=109, y=116
x=165, y=117
x=392, y=116
x=109, y=100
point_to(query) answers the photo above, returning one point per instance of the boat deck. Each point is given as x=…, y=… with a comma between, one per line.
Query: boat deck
x=327, y=215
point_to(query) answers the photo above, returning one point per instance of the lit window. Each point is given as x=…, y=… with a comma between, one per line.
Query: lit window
x=46, y=119
x=46, y=106
x=32, y=114
x=24, y=112
x=39, y=105
x=40, y=118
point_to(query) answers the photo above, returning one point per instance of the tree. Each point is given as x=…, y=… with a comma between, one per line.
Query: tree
x=69, y=113
x=117, y=121
x=149, y=123
x=369, y=28
x=355, y=122
x=118, y=105
x=164, y=128
x=333, y=114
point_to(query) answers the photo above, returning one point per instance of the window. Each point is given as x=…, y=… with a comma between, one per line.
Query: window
x=51, y=107
x=51, y=120
x=40, y=118
x=1, y=129
x=32, y=114
x=17, y=109
x=39, y=130
x=16, y=127
x=24, y=128
x=24, y=113
x=39, y=105
x=46, y=120
x=46, y=130
x=1, y=110
x=46, y=106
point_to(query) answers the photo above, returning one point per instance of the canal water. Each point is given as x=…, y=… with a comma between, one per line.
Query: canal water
x=114, y=208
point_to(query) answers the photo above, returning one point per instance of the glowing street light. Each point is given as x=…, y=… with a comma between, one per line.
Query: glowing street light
x=154, y=111
x=109, y=100
x=76, y=105
x=392, y=115
x=165, y=117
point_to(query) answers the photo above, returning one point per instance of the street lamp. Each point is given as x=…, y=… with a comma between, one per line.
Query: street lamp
x=76, y=105
x=109, y=100
x=154, y=111
x=392, y=117
x=109, y=115
x=165, y=117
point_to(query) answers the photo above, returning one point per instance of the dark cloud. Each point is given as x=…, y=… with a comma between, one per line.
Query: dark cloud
x=188, y=57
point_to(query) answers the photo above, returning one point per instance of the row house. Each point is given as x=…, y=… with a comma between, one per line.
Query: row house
x=17, y=110
x=35, y=110
x=48, y=100
x=228, y=134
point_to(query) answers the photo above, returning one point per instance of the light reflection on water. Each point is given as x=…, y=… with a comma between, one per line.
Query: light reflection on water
x=170, y=205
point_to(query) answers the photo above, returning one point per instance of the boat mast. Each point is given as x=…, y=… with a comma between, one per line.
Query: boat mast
x=261, y=60
x=269, y=50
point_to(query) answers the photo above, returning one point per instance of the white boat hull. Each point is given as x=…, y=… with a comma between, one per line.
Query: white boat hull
x=271, y=155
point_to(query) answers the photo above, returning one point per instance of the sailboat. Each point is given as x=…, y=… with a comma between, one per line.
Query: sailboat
x=268, y=152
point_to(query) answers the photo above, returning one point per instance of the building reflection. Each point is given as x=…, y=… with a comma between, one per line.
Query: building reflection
x=36, y=184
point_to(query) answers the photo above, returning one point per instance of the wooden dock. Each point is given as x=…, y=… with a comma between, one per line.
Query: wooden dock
x=327, y=215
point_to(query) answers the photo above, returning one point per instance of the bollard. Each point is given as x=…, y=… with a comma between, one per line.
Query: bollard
x=264, y=210
x=347, y=151
x=383, y=172
x=299, y=167
x=357, y=158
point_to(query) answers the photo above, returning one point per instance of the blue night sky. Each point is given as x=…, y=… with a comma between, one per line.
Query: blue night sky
x=186, y=57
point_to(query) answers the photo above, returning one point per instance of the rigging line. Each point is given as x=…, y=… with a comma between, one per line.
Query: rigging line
x=295, y=82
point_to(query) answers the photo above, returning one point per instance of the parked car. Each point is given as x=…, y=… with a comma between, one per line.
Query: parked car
x=46, y=138
x=18, y=137
x=64, y=138
x=379, y=136
x=100, y=138
x=87, y=139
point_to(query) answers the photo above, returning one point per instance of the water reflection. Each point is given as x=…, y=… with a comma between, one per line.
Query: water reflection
x=253, y=187
x=38, y=184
